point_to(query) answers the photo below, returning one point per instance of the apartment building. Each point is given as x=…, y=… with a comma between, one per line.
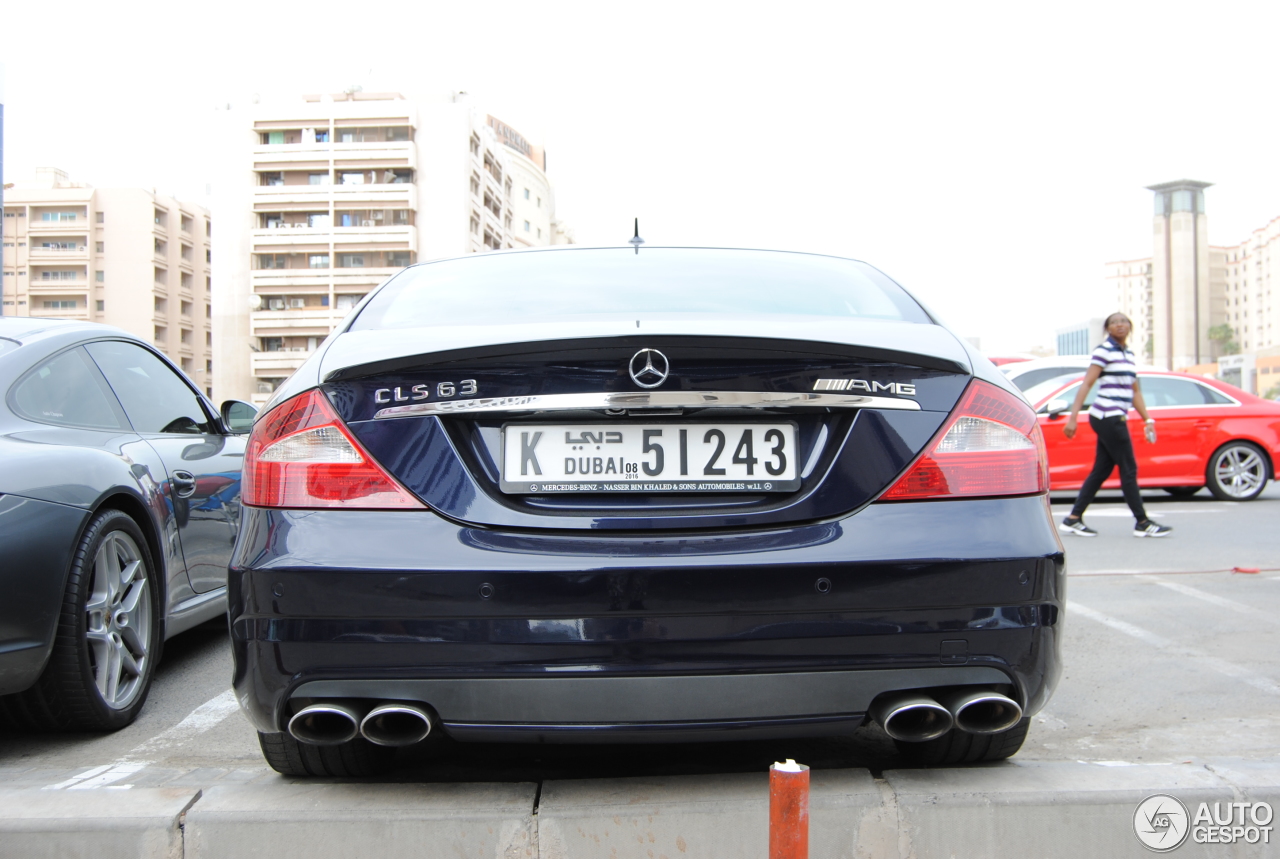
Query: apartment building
x=329, y=195
x=127, y=257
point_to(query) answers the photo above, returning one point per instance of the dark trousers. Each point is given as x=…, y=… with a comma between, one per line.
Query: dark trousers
x=1114, y=448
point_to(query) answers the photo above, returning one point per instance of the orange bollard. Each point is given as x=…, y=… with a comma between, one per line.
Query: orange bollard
x=789, y=811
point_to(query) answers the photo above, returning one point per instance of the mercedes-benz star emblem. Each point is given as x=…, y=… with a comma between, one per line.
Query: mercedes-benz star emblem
x=649, y=368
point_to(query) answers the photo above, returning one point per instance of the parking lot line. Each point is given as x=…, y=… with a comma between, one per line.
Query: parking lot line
x=199, y=720
x=1214, y=599
x=1213, y=663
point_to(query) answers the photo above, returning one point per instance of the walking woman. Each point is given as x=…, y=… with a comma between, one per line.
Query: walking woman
x=1119, y=391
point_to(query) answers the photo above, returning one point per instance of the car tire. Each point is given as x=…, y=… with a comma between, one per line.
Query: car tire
x=960, y=747
x=1182, y=491
x=1237, y=472
x=108, y=637
x=353, y=759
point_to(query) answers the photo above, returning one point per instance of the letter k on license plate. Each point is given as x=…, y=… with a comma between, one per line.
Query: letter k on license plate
x=649, y=457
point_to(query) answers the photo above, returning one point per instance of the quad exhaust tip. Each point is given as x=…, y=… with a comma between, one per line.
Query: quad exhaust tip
x=981, y=711
x=394, y=724
x=330, y=723
x=912, y=717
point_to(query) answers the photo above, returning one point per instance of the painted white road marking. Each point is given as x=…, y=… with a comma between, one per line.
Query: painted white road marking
x=1214, y=599
x=199, y=720
x=1199, y=657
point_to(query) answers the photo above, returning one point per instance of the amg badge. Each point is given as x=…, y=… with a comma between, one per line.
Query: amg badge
x=902, y=388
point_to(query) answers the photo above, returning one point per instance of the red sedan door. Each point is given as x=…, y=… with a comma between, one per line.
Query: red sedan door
x=1177, y=406
x=1069, y=459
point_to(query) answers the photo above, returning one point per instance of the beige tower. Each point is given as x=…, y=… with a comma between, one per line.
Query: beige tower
x=1182, y=304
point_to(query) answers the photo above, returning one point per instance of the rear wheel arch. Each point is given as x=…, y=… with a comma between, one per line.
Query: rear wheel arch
x=137, y=511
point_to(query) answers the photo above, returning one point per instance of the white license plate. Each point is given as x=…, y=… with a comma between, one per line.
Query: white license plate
x=649, y=457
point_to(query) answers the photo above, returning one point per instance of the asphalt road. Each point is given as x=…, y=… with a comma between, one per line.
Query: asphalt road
x=1169, y=658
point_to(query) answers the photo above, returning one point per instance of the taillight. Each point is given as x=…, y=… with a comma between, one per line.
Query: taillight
x=990, y=446
x=300, y=455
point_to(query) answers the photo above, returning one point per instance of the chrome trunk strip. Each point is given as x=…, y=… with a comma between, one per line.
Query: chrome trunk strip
x=640, y=400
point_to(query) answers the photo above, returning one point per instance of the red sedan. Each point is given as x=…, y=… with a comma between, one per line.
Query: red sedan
x=1209, y=433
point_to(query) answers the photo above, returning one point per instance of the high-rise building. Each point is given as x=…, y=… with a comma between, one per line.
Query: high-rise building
x=127, y=257
x=325, y=197
x=1251, y=305
x=1175, y=297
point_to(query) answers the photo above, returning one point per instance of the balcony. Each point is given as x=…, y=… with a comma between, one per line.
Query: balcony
x=35, y=253
x=275, y=364
x=272, y=279
x=309, y=322
x=57, y=228
x=404, y=237
x=399, y=153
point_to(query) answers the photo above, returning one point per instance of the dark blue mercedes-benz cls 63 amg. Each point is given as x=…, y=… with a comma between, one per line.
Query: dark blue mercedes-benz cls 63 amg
x=628, y=495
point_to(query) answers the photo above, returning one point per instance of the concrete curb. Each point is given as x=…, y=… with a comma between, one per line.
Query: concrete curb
x=1019, y=809
x=1059, y=809
x=318, y=821
x=94, y=824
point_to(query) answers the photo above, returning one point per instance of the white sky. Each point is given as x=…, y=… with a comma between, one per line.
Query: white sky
x=990, y=156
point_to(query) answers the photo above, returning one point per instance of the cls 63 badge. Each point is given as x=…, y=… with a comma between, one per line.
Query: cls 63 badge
x=417, y=393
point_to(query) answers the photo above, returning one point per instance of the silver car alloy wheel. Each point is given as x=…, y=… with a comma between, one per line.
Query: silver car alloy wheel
x=1240, y=471
x=118, y=620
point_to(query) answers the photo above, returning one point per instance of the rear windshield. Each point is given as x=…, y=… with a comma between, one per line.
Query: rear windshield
x=521, y=287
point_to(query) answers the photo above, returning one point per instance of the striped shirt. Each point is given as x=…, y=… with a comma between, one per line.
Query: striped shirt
x=1115, y=385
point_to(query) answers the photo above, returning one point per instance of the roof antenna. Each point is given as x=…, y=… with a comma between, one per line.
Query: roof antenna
x=635, y=241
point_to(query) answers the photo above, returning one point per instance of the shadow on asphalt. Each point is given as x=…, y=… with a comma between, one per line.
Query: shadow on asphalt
x=440, y=759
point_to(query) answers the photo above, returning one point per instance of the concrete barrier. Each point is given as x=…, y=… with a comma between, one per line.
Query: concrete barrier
x=705, y=816
x=302, y=820
x=1021, y=809
x=1045, y=810
x=141, y=823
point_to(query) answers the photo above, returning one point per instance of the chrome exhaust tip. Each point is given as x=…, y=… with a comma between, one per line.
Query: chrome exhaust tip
x=911, y=717
x=981, y=711
x=391, y=724
x=329, y=723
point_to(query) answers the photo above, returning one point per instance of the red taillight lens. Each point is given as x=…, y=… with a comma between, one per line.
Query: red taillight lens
x=301, y=456
x=991, y=446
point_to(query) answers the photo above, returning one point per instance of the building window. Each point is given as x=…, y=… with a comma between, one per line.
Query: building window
x=398, y=259
x=539, y=232
x=274, y=138
x=526, y=193
x=350, y=260
x=526, y=226
x=101, y=216
x=58, y=217
x=57, y=275
x=319, y=260
x=102, y=306
x=475, y=223
x=100, y=276
x=98, y=247
x=60, y=305
x=319, y=179
x=208, y=256
x=539, y=202
x=208, y=311
x=346, y=302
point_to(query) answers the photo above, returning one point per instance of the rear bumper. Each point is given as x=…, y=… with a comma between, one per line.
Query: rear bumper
x=626, y=637
x=36, y=542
